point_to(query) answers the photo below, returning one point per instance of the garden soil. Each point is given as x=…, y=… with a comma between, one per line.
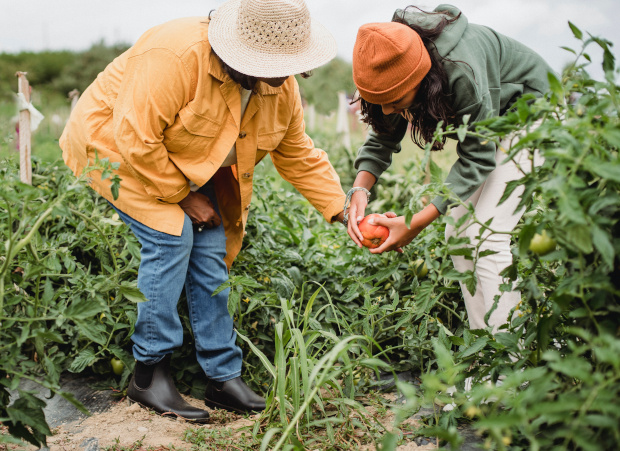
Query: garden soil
x=120, y=424
x=126, y=424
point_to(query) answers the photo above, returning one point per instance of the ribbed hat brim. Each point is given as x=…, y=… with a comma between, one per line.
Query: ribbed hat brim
x=233, y=51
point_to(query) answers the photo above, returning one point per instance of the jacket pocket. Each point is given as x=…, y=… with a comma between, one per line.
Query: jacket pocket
x=270, y=141
x=190, y=132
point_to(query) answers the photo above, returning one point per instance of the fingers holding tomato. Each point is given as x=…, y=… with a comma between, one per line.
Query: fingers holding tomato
x=356, y=213
x=373, y=235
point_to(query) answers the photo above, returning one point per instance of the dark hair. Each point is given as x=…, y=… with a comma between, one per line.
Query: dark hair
x=432, y=102
x=246, y=81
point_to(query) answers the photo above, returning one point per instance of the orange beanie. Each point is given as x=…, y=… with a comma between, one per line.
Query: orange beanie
x=389, y=60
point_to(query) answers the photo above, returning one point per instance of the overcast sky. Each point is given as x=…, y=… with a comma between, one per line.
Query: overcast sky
x=35, y=25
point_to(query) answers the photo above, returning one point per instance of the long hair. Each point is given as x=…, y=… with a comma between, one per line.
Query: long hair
x=432, y=102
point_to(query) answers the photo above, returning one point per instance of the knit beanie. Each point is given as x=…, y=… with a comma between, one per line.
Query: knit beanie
x=389, y=60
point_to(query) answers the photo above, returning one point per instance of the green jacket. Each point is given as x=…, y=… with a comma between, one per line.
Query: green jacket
x=498, y=70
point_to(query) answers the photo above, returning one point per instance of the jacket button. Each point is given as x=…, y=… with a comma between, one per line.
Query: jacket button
x=242, y=135
x=246, y=175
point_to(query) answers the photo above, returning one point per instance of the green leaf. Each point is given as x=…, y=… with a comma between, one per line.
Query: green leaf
x=603, y=244
x=73, y=400
x=476, y=346
x=84, y=359
x=580, y=237
x=389, y=442
x=568, y=49
x=573, y=366
x=83, y=308
x=555, y=85
x=437, y=174
x=131, y=293
x=383, y=274
x=263, y=358
x=93, y=331
x=28, y=410
x=461, y=132
x=576, y=31
x=605, y=169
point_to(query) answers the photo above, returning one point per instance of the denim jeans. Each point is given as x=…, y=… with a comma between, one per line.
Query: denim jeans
x=194, y=260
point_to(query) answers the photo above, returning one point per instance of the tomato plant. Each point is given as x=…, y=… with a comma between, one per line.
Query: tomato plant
x=68, y=293
x=65, y=299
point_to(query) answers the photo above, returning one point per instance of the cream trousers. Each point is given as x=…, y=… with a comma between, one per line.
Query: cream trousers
x=504, y=218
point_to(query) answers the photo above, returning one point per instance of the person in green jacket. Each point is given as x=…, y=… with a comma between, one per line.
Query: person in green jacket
x=427, y=67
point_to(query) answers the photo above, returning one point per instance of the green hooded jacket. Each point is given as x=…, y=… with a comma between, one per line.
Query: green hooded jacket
x=487, y=72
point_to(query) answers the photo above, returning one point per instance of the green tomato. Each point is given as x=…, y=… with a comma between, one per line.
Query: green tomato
x=419, y=268
x=542, y=243
x=117, y=366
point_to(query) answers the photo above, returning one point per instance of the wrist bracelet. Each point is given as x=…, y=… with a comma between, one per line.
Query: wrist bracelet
x=347, y=202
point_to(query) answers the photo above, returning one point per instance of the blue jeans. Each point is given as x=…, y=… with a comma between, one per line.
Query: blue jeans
x=168, y=263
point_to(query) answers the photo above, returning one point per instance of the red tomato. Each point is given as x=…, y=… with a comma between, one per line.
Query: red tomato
x=374, y=235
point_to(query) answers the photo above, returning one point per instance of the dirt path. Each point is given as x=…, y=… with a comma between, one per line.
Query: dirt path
x=127, y=426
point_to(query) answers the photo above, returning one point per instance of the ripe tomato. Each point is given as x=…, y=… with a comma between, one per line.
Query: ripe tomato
x=374, y=235
x=117, y=366
x=542, y=243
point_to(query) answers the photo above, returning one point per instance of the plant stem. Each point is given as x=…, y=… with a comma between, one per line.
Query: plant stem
x=103, y=235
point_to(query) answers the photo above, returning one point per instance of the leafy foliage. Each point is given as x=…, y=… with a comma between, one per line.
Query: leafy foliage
x=550, y=381
x=65, y=298
x=323, y=323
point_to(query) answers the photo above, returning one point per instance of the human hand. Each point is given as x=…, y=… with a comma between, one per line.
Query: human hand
x=398, y=236
x=401, y=234
x=359, y=201
x=200, y=210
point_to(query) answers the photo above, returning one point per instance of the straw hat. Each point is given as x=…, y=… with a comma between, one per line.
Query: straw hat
x=269, y=38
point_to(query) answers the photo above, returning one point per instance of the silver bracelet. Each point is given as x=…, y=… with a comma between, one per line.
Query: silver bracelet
x=347, y=202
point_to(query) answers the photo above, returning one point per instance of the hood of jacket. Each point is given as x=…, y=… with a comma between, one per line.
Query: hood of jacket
x=451, y=35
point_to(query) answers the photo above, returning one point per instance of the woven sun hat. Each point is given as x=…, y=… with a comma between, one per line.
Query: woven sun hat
x=269, y=38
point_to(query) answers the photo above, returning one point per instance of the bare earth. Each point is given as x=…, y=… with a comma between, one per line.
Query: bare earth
x=129, y=425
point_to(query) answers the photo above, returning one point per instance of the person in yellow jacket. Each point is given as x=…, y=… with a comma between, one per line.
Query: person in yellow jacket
x=188, y=111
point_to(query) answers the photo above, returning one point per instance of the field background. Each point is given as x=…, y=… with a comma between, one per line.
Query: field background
x=351, y=350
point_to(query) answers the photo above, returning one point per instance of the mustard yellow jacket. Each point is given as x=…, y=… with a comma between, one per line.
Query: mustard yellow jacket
x=168, y=114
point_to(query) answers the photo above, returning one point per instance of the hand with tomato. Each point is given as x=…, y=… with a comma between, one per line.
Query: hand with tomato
x=399, y=233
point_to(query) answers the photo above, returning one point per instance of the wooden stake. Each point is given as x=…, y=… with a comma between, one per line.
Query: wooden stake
x=342, y=120
x=74, y=96
x=25, y=163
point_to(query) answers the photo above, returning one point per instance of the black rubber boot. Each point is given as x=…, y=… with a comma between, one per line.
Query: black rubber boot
x=161, y=395
x=233, y=395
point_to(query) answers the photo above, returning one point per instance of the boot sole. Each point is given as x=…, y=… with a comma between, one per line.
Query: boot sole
x=171, y=414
